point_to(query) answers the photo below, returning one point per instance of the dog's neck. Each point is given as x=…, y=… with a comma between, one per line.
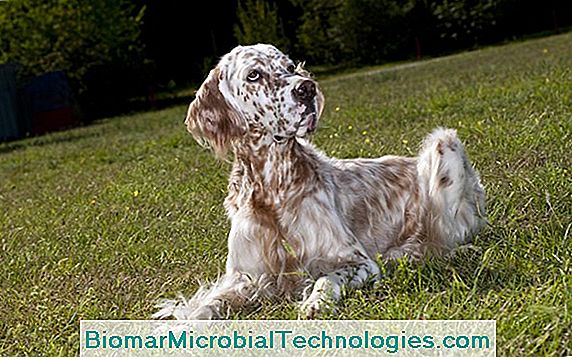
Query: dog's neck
x=276, y=167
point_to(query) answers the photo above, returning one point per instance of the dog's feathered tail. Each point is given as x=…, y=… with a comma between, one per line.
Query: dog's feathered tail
x=455, y=196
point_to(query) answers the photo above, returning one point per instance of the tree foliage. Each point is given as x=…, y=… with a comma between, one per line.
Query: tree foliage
x=258, y=22
x=465, y=21
x=373, y=31
x=360, y=31
x=319, y=34
x=69, y=35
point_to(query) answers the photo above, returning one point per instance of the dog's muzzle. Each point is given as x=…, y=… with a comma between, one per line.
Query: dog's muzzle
x=305, y=92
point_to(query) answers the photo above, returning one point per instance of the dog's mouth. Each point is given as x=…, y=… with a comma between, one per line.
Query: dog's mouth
x=309, y=118
x=312, y=120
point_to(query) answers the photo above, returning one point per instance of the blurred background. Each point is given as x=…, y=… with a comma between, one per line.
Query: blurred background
x=68, y=62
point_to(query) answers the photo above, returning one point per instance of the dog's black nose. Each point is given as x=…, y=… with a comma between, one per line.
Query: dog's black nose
x=305, y=91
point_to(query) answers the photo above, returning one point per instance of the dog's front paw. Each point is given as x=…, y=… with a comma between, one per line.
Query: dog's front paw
x=183, y=309
x=313, y=307
x=320, y=301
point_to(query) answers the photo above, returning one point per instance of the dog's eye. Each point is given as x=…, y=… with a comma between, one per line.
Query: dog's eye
x=291, y=68
x=253, y=76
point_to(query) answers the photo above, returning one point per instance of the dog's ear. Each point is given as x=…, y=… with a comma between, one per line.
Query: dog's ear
x=211, y=119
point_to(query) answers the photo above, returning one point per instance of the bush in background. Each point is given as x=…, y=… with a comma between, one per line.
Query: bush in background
x=373, y=31
x=258, y=22
x=319, y=32
x=81, y=39
x=70, y=35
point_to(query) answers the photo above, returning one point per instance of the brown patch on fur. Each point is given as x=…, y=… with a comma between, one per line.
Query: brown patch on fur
x=411, y=225
x=280, y=260
x=210, y=118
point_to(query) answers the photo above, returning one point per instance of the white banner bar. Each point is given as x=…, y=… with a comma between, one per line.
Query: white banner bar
x=288, y=338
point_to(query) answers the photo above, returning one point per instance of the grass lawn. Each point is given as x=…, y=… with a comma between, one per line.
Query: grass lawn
x=101, y=221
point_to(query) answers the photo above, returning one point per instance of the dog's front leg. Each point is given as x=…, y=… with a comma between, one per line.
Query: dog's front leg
x=328, y=289
x=231, y=291
x=236, y=288
x=228, y=292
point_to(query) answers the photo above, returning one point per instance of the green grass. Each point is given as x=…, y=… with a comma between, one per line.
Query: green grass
x=101, y=221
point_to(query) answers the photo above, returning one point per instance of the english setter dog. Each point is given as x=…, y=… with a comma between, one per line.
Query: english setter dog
x=302, y=223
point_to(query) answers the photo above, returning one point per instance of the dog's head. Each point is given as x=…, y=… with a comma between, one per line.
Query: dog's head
x=254, y=93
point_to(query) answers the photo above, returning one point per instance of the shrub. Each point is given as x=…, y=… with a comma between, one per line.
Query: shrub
x=258, y=22
x=357, y=31
x=319, y=33
x=70, y=35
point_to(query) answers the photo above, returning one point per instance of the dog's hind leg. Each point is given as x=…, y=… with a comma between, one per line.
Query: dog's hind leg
x=452, y=188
